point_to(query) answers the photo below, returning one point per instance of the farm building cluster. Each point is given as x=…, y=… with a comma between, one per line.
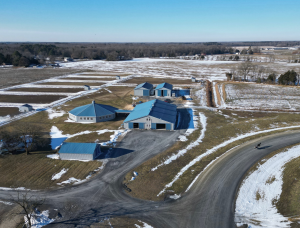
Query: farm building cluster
x=151, y=115
x=162, y=90
x=154, y=114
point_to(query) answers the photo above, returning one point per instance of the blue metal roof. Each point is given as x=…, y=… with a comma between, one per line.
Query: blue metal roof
x=78, y=148
x=123, y=111
x=145, y=85
x=93, y=110
x=156, y=108
x=164, y=85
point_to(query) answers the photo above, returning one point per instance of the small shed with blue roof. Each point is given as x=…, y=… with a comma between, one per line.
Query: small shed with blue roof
x=163, y=90
x=144, y=89
x=79, y=151
x=153, y=114
x=92, y=113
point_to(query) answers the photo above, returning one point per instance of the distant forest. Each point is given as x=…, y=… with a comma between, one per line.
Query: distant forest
x=24, y=54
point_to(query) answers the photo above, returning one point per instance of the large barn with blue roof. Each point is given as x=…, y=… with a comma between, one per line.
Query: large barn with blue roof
x=144, y=89
x=92, y=113
x=153, y=114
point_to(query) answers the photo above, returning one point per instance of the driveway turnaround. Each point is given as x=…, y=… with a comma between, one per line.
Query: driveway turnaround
x=210, y=203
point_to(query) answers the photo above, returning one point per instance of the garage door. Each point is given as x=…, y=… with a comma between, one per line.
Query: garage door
x=160, y=126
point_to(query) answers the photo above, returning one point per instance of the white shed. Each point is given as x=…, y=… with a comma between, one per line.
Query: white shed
x=86, y=87
x=25, y=108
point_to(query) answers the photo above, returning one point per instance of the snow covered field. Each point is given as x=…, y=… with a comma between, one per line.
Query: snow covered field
x=257, y=96
x=214, y=70
x=260, y=188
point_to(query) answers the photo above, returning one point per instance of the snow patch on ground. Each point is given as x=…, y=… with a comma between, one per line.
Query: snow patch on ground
x=58, y=175
x=214, y=149
x=248, y=208
x=75, y=181
x=145, y=225
x=6, y=203
x=39, y=219
x=175, y=196
x=201, y=95
x=203, y=121
x=14, y=189
x=53, y=156
x=4, y=118
x=108, y=90
x=53, y=114
x=57, y=136
x=215, y=94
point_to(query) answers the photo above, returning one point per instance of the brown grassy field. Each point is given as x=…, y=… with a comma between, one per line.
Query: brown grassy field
x=37, y=99
x=4, y=111
x=34, y=171
x=219, y=129
x=40, y=169
x=288, y=204
x=72, y=83
x=140, y=80
x=62, y=90
x=16, y=76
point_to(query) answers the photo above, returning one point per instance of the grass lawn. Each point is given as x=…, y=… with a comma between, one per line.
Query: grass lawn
x=57, y=90
x=35, y=171
x=288, y=203
x=219, y=129
x=36, y=99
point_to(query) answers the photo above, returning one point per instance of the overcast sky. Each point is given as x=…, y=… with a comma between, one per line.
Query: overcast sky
x=149, y=21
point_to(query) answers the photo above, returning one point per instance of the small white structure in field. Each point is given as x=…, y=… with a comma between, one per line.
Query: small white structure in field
x=193, y=79
x=118, y=77
x=25, y=108
x=86, y=87
x=68, y=59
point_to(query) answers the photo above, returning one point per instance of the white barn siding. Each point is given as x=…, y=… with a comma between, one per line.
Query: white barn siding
x=67, y=156
x=147, y=124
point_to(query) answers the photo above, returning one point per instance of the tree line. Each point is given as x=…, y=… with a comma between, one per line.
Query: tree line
x=249, y=71
x=109, y=51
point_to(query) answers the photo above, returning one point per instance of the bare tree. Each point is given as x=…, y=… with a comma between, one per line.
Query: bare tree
x=254, y=71
x=245, y=68
x=271, y=58
x=30, y=135
x=28, y=204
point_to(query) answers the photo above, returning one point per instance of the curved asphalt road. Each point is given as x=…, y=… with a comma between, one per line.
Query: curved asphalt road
x=208, y=204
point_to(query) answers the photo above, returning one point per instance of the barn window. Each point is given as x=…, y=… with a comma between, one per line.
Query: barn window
x=84, y=118
x=81, y=118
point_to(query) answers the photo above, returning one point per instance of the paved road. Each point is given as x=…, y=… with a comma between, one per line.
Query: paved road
x=210, y=202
